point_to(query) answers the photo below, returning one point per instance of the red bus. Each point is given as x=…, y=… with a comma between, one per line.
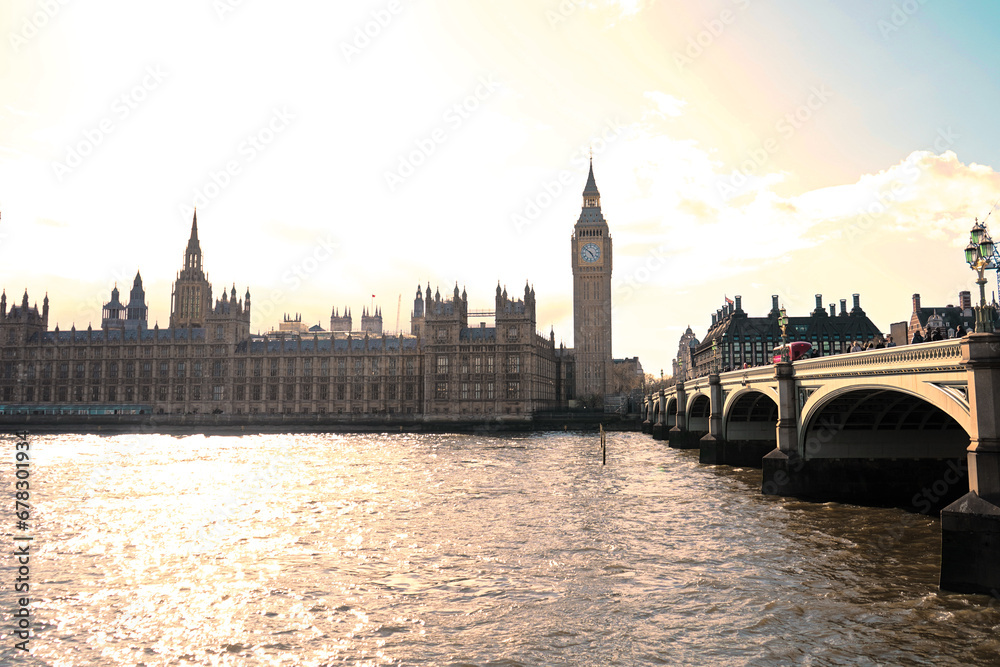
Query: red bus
x=797, y=350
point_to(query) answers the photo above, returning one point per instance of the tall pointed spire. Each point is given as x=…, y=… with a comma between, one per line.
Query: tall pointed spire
x=192, y=256
x=193, y=245
x=591, y=187
x=591, y=195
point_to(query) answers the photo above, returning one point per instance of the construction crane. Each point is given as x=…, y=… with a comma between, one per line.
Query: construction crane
x=399, y=304
x=995, y=259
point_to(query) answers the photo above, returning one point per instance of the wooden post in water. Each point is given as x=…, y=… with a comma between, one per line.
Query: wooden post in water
x=604, y=446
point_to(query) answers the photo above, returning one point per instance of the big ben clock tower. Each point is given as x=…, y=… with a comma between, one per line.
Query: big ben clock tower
x=591, y=247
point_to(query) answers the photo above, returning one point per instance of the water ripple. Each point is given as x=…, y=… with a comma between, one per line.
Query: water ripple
x=307, y=549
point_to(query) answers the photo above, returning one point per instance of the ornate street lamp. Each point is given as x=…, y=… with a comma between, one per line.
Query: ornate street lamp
x=783, y=323
x=715, y=353
x=979, y=254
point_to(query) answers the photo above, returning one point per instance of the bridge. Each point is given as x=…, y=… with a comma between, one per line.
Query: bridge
x=916, y=426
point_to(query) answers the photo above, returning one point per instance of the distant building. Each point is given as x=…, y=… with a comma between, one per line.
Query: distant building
x=684, y=362
x=947, y=318
x=371, y=323
x=290, y=325
x=628, y=375
x=739, y=339
x=504, y=370
x=340, y=322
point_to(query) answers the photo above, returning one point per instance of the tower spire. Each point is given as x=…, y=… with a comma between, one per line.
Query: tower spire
x=193, y=241
x=591, y=195
x=192, y=255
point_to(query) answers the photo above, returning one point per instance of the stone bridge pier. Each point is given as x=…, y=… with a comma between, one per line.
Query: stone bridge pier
x=970, y=526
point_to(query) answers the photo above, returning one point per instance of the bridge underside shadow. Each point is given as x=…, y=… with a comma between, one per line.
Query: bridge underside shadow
x=750, y=433
x=875, y=447
x=697, y=425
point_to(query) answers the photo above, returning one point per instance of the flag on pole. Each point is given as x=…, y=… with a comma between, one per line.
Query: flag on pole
x=728, y=300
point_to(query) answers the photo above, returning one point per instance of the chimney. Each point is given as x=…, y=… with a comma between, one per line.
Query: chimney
x=774, y=305
x=843, y=307
x=739, y=303
x=965, y=300
x=916, y=301
x=818, y=310
x=714, y=316
x=833, y=310
x=857, y=306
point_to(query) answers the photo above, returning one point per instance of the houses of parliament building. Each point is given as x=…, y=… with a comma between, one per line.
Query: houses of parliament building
x=206, y=361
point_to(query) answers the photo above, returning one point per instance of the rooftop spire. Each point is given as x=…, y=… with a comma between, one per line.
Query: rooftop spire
x=591, y=187
x=193, y=241
x=192, y=255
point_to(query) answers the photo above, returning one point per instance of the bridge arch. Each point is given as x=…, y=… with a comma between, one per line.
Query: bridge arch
x=750, y=414
x=698, y=410
x=870, y=421
x=671, y=412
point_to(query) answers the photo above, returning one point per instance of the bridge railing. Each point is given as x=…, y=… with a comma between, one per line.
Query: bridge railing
x=747, y=375
x=935, y=355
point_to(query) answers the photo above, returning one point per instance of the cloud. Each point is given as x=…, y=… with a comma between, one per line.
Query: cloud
x=666, y=105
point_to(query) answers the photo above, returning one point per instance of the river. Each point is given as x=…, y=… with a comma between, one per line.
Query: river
x=463, y=550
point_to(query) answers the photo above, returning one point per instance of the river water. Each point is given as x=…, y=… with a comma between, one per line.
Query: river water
x=464, y=550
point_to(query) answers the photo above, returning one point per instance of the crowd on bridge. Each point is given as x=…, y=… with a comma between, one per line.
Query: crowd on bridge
x=939, y=333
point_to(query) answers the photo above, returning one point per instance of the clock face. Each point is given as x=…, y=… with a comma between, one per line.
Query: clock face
x=591, y=252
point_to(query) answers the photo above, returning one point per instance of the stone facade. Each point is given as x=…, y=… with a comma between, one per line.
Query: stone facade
x=504, y=371
x=208, y=363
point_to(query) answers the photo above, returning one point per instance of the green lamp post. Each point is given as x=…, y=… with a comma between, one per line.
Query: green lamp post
x=783, y=323
x=979, y=254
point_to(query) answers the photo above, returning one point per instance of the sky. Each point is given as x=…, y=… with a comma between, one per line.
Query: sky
x=337, y=151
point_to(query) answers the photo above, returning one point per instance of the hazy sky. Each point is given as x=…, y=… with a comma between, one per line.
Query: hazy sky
x=337, y=150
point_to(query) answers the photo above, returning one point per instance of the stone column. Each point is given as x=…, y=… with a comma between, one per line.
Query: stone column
x=660, y=425
x=970, y=526
x=779, y=467
x=680, y=421
x=647, y=407
x=711, y=443
x=678, y=435
x=788, y=431
x=715, y=413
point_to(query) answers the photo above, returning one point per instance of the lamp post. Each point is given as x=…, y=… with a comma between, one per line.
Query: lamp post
x=783, y=323
x=978, y=254
x=715, y=355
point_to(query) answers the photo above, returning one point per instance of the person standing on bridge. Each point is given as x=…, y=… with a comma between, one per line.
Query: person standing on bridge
x=917, y=338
